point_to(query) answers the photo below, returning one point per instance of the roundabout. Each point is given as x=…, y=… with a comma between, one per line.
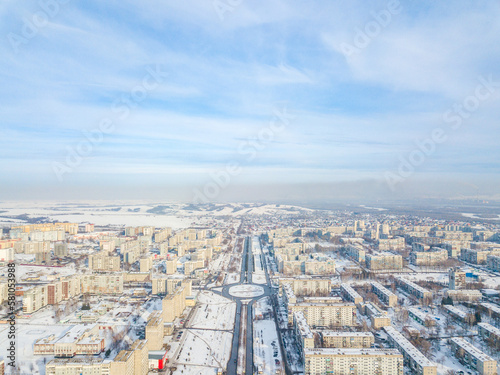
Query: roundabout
x=246, y=291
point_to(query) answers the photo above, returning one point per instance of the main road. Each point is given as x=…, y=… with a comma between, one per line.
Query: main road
x=247, y=268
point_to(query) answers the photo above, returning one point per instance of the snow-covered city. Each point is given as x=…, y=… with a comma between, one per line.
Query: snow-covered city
x=247, y=289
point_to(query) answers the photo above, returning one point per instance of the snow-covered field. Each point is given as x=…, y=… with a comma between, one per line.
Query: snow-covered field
x=232, y=278
x=213, y=312
x=246, y=291
x=129, y=213
x=202, y=348
x=26, y=335
x=259, y=277
x=267, y=352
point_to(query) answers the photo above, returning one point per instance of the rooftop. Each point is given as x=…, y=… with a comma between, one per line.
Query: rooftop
x=472, y=350
x=408, y=347
x=350, y=352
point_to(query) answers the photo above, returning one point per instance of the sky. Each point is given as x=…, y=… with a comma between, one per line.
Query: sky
x=213, y=100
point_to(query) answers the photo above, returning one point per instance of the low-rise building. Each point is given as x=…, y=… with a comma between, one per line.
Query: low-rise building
x=350, y=294
x=414, y=289
x=464, y=295
x=473, y=357
x=491, y=309
x=384, y=294
x=455, y=312
x=487, y=331
x=415, y=360
x=78, y=366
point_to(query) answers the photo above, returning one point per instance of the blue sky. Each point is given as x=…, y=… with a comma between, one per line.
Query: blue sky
x=65, y=66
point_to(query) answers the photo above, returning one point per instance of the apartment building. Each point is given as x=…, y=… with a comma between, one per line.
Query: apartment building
x=464, y=295
x=4, y=290
x=487, y=331
x=323, y=299
x=454, y=247
x=145, y=264
x=78, y=366
x=192, y=265
x=320, y=361
x=49, y=294
x=493, y=262
x=174, y=304
x=104, y=262
x=155, y=331
x=34, y=299
x=171, y=266
x=43, y=258
x=388, y=244
x=325, y=315
x=108, y=246
x=53, y=235
x=134, y=361
x=420, y=316
x=428, y=258
x=473, y=357
x=378, y=317
x=414, y=359
x=453, y=235
x=32, y=247
x=123, y=364
x=456, y=313
x=163, y=235
x=356, y=252
x=4, y=244
x=492, y=309
x=7, y=255
x=384, y=294
x=339, y=339
x=289, y=267
x=414, y=289
x=384, y=261
x=350, y=294
x=79, y=340
x=308, y=285
x=457, y=278
x=60, y=249
x=316, y=267
x=476, y=256
x=419, y=247
x=102, y=284
x=141, y=358
x=425, y=239
x=289, y=296
x=71, y=287
x=303, y=333
x=71, y=228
